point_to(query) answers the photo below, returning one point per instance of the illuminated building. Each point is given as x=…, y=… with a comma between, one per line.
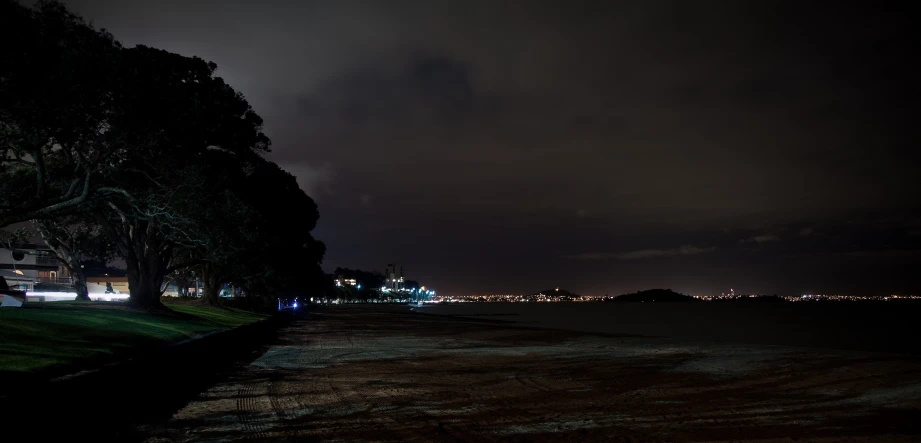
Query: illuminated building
x=394, y=275
x=30, y=264
x=342, y=281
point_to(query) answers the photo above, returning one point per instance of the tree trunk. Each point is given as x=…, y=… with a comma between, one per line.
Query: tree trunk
x=145, y=281
x=182, y=285
x=80, y=283
x=66, y=249
x=212, y=282
x=211, y=295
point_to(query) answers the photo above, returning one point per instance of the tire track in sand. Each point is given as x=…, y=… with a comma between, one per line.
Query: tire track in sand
x=246, y=412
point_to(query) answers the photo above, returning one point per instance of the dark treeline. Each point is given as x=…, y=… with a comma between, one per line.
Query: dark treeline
x=370, y=286
x=145, y=156
x=368, y=279
x=654, y=295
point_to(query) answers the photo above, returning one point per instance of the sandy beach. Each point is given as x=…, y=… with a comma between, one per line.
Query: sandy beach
x=371, y=374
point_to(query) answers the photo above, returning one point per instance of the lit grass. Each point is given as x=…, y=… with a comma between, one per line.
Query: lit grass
x=228, y=317
x=69, y=334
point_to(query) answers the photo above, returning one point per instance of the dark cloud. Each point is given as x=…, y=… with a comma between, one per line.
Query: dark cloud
x=497, y=138
x=443, y=83
x=762, y=238
x=642, y=253
x=421, y=91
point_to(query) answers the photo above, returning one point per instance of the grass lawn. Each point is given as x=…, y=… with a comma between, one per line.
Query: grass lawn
x=38, y=338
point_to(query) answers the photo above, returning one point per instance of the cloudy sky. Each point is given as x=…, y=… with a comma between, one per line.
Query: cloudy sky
x=604, y=147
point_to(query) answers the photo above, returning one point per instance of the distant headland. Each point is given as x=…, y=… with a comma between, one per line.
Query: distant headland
x=653, y=295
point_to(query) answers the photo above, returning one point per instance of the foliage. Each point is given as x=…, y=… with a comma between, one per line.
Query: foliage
x=371, y=282
x=366, y=278
x=73, y=239
x=412, y=284
x=148, y=148
x=279, y=244
x=242, y=236
x=13, y=237
x=54, y=103
x=175, y=119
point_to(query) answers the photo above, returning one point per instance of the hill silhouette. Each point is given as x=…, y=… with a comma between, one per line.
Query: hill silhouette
x=655, y=295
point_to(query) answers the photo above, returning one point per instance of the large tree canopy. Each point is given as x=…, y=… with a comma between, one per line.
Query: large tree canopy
x=171, y=115
x=255, y=229
x=289, y=257
x=149, y=148
x=55, y=101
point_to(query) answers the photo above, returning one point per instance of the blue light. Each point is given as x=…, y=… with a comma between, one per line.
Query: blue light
x=295, y=305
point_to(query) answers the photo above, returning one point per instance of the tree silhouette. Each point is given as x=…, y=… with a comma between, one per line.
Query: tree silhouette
x=74, y=239
x=171, y=111
x=162, y=155
x=55, y=98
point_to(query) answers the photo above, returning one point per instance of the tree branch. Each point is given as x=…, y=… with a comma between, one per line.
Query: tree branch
x=50, y=209
x=185, y=265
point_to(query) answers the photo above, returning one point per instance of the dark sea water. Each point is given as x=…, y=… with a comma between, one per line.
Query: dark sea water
x=864, y=326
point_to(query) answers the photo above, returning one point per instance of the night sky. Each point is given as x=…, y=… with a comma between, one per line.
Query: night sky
x=508, y=147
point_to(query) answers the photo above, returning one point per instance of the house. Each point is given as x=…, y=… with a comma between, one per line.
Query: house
x=27, y=265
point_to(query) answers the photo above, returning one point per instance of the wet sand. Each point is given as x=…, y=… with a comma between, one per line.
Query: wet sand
x=367, y=374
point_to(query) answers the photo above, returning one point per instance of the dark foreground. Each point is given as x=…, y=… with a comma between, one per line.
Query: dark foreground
x=108, y=400
x=355, y=374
